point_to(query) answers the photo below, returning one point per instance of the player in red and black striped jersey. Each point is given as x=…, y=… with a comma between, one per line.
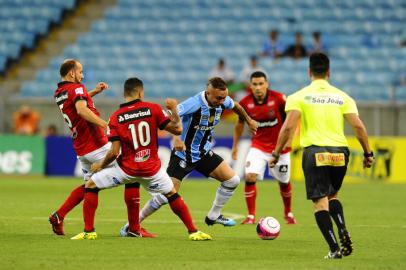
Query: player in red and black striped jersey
x=267, y=107
x=87, y=129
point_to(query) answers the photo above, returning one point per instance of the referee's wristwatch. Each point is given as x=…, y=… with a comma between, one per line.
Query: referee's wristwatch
x=368, y=155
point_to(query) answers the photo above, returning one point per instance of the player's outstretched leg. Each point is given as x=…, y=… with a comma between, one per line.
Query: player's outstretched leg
x=286, y=194
x=90, y=204
x=56, y=218
x=179, y=207
x=337, y=213
x=223, y=194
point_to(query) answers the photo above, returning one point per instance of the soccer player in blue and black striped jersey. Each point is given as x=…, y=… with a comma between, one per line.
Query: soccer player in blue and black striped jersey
x=192, y=150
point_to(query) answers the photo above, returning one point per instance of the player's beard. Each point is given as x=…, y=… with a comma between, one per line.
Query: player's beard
x=77, y=80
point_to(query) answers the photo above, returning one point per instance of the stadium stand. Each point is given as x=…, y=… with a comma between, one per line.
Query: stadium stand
x=17, y=33
x=172, y=44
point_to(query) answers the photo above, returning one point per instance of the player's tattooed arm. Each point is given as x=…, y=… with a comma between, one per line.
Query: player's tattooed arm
x=178, y=144
x=111, y=155
x=238, y=130
x=252, y=124
x=175, y=126
x=100, y=87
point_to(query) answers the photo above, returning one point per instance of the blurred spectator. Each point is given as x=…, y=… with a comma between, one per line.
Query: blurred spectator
x=272, y=46
x=26, y=121
x=317, y=44
x=296, y=50
x=249, y=68
x=403, y=79
x=403, y=40
x=51, y=130
x=220, y=70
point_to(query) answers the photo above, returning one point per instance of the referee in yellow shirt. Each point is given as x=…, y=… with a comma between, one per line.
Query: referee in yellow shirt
x=321, y=109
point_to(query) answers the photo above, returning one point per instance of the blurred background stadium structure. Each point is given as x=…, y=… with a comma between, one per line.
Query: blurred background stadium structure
x=173, y=44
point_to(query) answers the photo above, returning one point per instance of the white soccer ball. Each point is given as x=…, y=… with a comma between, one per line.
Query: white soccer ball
x=268, y=228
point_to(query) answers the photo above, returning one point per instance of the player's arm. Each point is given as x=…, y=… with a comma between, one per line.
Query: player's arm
x=362, y=136
x=239, y=110
x=100, y=87
x=238, y=130
x=285, y=134
x=111, y=155
x=175, y=125
x=84, y=112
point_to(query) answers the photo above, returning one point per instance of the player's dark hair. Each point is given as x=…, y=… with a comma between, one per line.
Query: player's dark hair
x=319, y=64
x=67, y=66
x=217, y=83
x=258, y=74
x=131, y=85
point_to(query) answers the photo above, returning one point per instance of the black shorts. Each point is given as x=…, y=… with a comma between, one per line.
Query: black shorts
x=179, y=168
x=324, y=168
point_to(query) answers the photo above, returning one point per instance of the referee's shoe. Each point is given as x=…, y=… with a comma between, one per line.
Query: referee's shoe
x=346, y=244
x=334, y=255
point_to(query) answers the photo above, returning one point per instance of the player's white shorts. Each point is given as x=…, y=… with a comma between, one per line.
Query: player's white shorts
x=95, y=156
x=114, y=176
x=257, y=161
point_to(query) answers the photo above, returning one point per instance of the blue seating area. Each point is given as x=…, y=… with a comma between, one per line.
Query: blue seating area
x=22, y=20
x=173, y=44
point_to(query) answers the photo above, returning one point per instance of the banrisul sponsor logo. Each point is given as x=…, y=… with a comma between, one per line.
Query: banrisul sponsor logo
x=324, y=99
x=134, y=115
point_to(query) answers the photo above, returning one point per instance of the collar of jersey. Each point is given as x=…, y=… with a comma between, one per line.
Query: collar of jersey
x=130, y=102
x=319, y=82
x=203, y=96
x=265, y=99
x=63, y=83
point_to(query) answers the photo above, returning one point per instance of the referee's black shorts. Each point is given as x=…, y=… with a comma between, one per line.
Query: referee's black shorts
x=324, y=168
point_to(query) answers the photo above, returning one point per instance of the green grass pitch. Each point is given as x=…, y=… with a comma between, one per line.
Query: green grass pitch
x=375, y=214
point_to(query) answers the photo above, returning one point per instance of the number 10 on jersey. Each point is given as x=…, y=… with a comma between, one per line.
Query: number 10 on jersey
x=141, y=134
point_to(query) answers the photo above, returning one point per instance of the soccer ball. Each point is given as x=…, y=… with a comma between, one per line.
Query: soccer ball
x=268, y=228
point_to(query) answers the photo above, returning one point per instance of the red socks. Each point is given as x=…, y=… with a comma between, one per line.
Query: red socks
x=89, y=208
x=75, y=197
x=132, y=200
x=286, y=193
x=179, y=207
x=250, y=193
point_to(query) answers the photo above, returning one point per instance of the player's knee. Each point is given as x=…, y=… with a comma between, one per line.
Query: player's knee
x=251, y=177
x=90, y=184
x=233, y=182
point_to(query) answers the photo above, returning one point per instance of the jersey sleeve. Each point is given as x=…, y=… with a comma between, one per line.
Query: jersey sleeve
x=349, y=106
x=188, y=106
x=79, y=93
x=243, y=103
x=112, y=130
x=282, y=105
x=228, y=103
x=293, y=103
x=162, y=117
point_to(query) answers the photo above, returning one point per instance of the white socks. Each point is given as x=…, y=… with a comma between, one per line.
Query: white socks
x=152, y=205
x=223, y=194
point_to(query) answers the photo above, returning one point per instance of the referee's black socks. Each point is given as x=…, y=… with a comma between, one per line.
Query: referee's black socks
x=326, y=227
x=337, y=213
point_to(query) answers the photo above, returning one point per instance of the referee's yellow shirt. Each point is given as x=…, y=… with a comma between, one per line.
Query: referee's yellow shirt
x=322, y=108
